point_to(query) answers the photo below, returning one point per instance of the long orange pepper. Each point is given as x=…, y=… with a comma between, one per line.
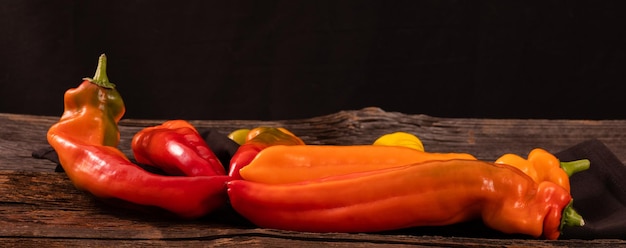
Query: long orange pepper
x=432, y=193
x=285, y=164
x=542, y=165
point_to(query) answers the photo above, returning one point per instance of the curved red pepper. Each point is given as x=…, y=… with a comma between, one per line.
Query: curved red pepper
x=177, y=148
x=258, y=139
x=106, y=172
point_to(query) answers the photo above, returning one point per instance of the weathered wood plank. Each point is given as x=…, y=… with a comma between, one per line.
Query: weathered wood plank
x=44, y=208
x=39, y=207
x=240, y=241
x=485, y=138
x=286, y=242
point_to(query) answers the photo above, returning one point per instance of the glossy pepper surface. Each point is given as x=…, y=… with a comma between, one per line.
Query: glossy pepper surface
x=85, y=139
x=239, y=136
x=106, y=172
x=400, y=139
x=93, y=109
x=542, y=165
x=177, y=148
x=432, y=193
x=286, y=164
x=258, y=139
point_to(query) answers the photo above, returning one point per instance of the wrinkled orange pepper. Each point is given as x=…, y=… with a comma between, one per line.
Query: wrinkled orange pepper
x=285, y=164
x=432, y=193
x=541, y=165
x=93, y=109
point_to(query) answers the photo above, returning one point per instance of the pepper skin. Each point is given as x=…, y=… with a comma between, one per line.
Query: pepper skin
x=286, y=164
x=106, y=172
x=432, y=193
x=239, y=135
x=177, y=148
x=257, y=140
x=93, y=109
x=85, y=139
x=541, y=165
x=400, y=139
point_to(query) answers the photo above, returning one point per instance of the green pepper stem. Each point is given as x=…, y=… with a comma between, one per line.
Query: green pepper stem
x=100, y=78
x=573, y=167
x=570, y=217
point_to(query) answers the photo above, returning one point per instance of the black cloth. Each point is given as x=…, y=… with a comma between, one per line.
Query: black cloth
x=599, y=193
x=223, y=147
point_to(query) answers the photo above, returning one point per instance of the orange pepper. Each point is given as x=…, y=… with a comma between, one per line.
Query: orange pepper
x=541, y=165
x=259, y=130
x=431, y=193
x=93, y=109
x=259, y=139
x=285, y=164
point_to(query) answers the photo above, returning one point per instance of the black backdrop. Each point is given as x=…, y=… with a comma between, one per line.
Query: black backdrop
x=231, y=59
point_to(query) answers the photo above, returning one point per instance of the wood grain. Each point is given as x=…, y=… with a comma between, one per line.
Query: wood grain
x=485, y=138
x=39, y=207
x=43, y=208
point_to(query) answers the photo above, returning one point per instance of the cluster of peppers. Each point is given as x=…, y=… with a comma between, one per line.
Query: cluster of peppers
x=86, y=137
x=276, y=181
x=369, y=188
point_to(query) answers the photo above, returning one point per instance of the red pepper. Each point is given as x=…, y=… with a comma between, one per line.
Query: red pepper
x=432, y=193
x=177, y=148
x=106, y=172
x=258, y=139
x=85, y=139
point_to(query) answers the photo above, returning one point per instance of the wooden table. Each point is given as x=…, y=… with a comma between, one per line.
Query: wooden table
x=40, y=207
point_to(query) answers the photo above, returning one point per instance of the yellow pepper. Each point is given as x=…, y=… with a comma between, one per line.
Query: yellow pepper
x=239, y=135
x=400, y=139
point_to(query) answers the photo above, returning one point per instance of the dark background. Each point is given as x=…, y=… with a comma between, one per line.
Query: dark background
x=268, y=60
